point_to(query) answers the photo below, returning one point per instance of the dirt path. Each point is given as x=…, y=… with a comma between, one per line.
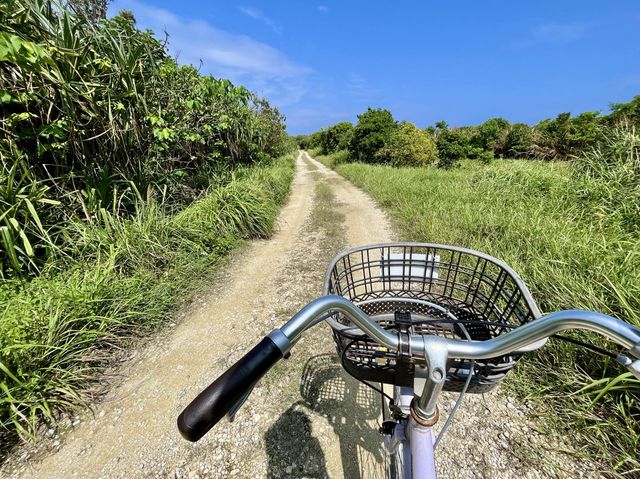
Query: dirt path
x=306, y=418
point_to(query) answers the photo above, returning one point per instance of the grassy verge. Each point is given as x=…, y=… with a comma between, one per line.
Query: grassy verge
x=59, y=330
x=550, y=226
x=334, y=159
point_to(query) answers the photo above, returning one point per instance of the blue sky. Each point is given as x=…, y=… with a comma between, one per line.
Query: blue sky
x=463, y=62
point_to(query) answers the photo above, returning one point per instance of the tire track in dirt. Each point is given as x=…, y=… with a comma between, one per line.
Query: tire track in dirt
x=306, y=418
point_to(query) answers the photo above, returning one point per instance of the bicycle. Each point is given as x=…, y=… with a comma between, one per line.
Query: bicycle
x=420, y=318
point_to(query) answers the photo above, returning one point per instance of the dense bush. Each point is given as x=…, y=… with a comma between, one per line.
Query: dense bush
x=625, y=113
x=611, y=179
x=334, y=159
x=519, y=141
x=565, y=137
x=453, y=146
x=370, y=134
x=408, y=146
x=95, y=115
x=335, y=138
x=491, y=136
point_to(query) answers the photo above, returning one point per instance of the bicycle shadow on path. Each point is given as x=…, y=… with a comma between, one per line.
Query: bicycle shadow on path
x=351, y=409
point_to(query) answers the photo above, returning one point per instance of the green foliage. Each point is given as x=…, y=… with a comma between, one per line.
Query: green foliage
x=453, y=146
x=91, y=110
x=611, y=180
x=519, y=141
x=124, y=278
x=561, y=138
x=625, y=113
x=123, y=179
x=92, y=10
x=491, y=135
x=24, y=239
x=303, y=142
x=335, y=138
x=564, y=137
x=370, y=134
x=408, y=146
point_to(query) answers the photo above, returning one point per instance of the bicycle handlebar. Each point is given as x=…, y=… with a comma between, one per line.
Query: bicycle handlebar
x=215, y=401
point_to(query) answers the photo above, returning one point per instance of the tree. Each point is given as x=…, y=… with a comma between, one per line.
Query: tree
x=629, y=111
x=370, y=134
x=564, y=136
x=128, y=16
x=519, y=140
x=91, y=10
x=586, y=131
x=408, y=146
x=336, y=137
x=491, y=135
x=453, y=146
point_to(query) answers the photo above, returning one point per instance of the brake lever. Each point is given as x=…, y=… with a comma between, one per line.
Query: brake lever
x=231, y=415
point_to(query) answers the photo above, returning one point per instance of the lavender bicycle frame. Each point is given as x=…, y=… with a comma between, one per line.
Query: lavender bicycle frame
x=412, y=444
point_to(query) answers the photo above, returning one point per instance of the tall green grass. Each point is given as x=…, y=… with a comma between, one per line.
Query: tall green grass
x=333, y=159
x=571, y=232
x=122, y=280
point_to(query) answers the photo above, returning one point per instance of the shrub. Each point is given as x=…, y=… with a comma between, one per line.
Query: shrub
x=519, y=140
x=625, y=112
x=408, y=146
x=92, y=110
x=336, y=137
x=370, y=134
x=564, y=137
x=586, y=132
x=491, y=135
x=452, y=146
x=485, y=157
x=334, y=159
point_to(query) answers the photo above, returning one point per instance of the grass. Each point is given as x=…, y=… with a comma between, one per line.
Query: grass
x=334, y=159
x=574, y=245
x=60, y=330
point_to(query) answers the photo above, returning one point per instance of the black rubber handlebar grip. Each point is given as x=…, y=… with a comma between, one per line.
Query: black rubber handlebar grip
x=213, y=403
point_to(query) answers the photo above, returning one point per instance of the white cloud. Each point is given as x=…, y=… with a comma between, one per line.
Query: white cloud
x=258, y=15
x=554, y=33
x=240, y=58
x=359, y=88
x=323, y=8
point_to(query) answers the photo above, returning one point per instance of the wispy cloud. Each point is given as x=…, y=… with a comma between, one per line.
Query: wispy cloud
x=554, y=33
x=323, y=8
x=258, y=15
x=240, y=58
x=359, y=88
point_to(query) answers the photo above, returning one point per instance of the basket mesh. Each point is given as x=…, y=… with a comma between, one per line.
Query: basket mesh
x=445, y=289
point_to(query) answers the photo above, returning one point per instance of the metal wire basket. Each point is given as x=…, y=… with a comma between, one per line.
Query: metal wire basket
x=419, y=288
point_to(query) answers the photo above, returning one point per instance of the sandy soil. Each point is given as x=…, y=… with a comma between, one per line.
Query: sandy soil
x=306, y=418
